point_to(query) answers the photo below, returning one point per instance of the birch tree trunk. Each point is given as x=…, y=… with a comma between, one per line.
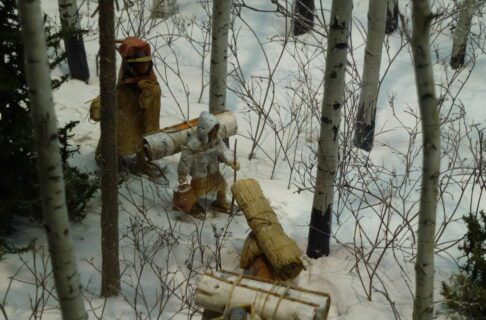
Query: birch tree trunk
x=424, y=266
x=303, y=16
x=163, y=8
x=334, y=82
x=461, y=33
x=110, y=283
x=51, y=180
x=391, y=16
x=219, y=55
x=365, y=119
x=73, y=40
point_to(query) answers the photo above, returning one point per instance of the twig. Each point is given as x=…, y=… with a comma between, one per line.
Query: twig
x=234, y=177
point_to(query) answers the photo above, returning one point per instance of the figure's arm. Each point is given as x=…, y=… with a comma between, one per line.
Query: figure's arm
x=224, y=154
x=95, y=109
x=184, y=165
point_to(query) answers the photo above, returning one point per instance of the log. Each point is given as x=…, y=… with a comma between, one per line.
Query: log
x=282, y=252
x=262, y=269
x=169, y=141
x=222, y=290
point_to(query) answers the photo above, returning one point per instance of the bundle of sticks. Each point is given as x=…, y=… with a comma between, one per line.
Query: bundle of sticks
x=267, y=244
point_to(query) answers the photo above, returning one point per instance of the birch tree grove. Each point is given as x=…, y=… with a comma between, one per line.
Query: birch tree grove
x=73, y=40
x=365, y=119
x=219, y=55
x=461, y=33
x=424, y=266
x=334, y=83
x=51, y=181
x=110, y=273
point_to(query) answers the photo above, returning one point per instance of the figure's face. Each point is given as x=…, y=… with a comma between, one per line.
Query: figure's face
x=213, y=133
x=140, y=68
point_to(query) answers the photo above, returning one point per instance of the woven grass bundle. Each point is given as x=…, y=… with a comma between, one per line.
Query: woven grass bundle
x=282, y=252
x=250, y=251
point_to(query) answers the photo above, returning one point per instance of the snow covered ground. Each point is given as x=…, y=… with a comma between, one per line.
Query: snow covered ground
x=369, y=272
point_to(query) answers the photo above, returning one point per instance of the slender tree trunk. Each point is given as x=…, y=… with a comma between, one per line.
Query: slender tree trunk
x=461, y=33
x=51, y=180
x=219, y=55
x=164, y=8
x=365, y=119
x=303, y=16
x=334, y=83
x=73, y=40
x=110, y=283
x=423, y=308
x=391, y=16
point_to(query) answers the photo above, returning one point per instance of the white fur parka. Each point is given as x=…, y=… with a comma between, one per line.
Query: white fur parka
x=201, y=156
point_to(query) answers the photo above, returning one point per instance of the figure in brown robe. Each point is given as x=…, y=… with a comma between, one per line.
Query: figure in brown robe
x=138, y=98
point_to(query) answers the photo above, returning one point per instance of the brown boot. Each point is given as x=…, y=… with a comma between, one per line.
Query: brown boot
x=220, y=206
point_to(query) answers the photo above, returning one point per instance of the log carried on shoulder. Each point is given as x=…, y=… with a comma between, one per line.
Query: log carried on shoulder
x=169, y=141
x=222, y=291
x=281, y=251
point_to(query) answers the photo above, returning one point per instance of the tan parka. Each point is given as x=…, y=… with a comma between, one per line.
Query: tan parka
x=138, y=101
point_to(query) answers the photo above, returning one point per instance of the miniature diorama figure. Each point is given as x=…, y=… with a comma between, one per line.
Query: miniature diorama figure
x=138, y=100
x=200, y=159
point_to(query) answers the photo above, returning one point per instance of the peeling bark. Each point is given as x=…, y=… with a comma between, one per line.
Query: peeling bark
x=334, y=82
x=51, y=181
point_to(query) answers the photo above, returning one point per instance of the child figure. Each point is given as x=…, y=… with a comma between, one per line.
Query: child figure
x=200, y=158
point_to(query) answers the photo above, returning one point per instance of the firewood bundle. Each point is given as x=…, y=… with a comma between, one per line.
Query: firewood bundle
x=220, y=292
x=267, y=237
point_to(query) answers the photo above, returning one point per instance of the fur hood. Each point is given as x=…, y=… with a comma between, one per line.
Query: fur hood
x=201, y=156
x=207, y=121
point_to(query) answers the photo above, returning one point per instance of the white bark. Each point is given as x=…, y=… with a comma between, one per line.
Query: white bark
x=429, y=113
x=170, y=140
x=73, y=39
x=69, y=15
x=164, y=8
x=334, y=82
x=365, y=119
x=219, y=55
x=215, y=292
x=461, y=33
x=320, y=299
x=51, y=179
